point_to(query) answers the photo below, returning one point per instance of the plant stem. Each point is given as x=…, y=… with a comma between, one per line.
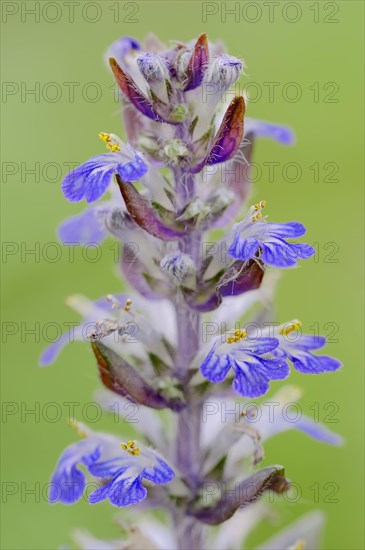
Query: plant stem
x=188, y=530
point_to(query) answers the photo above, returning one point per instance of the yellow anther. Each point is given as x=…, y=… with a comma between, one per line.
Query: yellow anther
x=238, y=335
x=104, y=137
x=256, y=217
x=128, y=305
x=111, y=144
x=113, y=147
x=287, y=329
x=131, y=448
x=75, y=426
x=260, y=205
x=257, y=208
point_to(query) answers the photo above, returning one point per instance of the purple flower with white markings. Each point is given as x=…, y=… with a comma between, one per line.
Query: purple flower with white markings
x=254, y=235
x=298, y=347
x=68, y=481
x=252, y=360
x=126, y=463
x=163, y=349
x=90, y=180
x=127, y=473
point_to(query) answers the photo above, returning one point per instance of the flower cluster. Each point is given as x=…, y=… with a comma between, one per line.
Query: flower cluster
x=165, y=200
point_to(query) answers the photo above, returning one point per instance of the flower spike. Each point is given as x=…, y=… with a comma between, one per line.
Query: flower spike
x=196, y=325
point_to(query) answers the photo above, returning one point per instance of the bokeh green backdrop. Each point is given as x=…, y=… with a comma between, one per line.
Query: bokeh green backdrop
x=324, y=46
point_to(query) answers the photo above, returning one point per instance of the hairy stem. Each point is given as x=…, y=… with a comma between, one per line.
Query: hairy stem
x=188, y=530
x=188, y=457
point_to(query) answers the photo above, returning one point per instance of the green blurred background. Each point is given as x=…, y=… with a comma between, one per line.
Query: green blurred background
x=323, y=46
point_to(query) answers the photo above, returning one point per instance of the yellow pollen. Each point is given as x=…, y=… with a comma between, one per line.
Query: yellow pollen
x=104, y=137
x=75, y=426
x=131, y=448
x=238, y=335
x=298, y=545
x=256, y=217
x=259, y=205
x=296, y=325
x=128, y=305
x=257, y=208
x=112, y=145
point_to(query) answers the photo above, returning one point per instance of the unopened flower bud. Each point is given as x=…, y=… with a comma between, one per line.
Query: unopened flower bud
x=153, y=67
x=223, y=72
x=155, y=71
x=179, y=112
x=178, y=266
x=175, y=150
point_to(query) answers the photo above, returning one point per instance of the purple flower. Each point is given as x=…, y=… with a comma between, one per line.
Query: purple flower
x=297, y=347
x=261, y=128
x=91, y=311
x=112, y=311
x=272, y=418
x=254, y=234
x=127, y=472
x=100, y=453
x=90, y=180
x=68, y=481
x=252, y=360
x=146, y=344
x=84, y=228
x=122, y=47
